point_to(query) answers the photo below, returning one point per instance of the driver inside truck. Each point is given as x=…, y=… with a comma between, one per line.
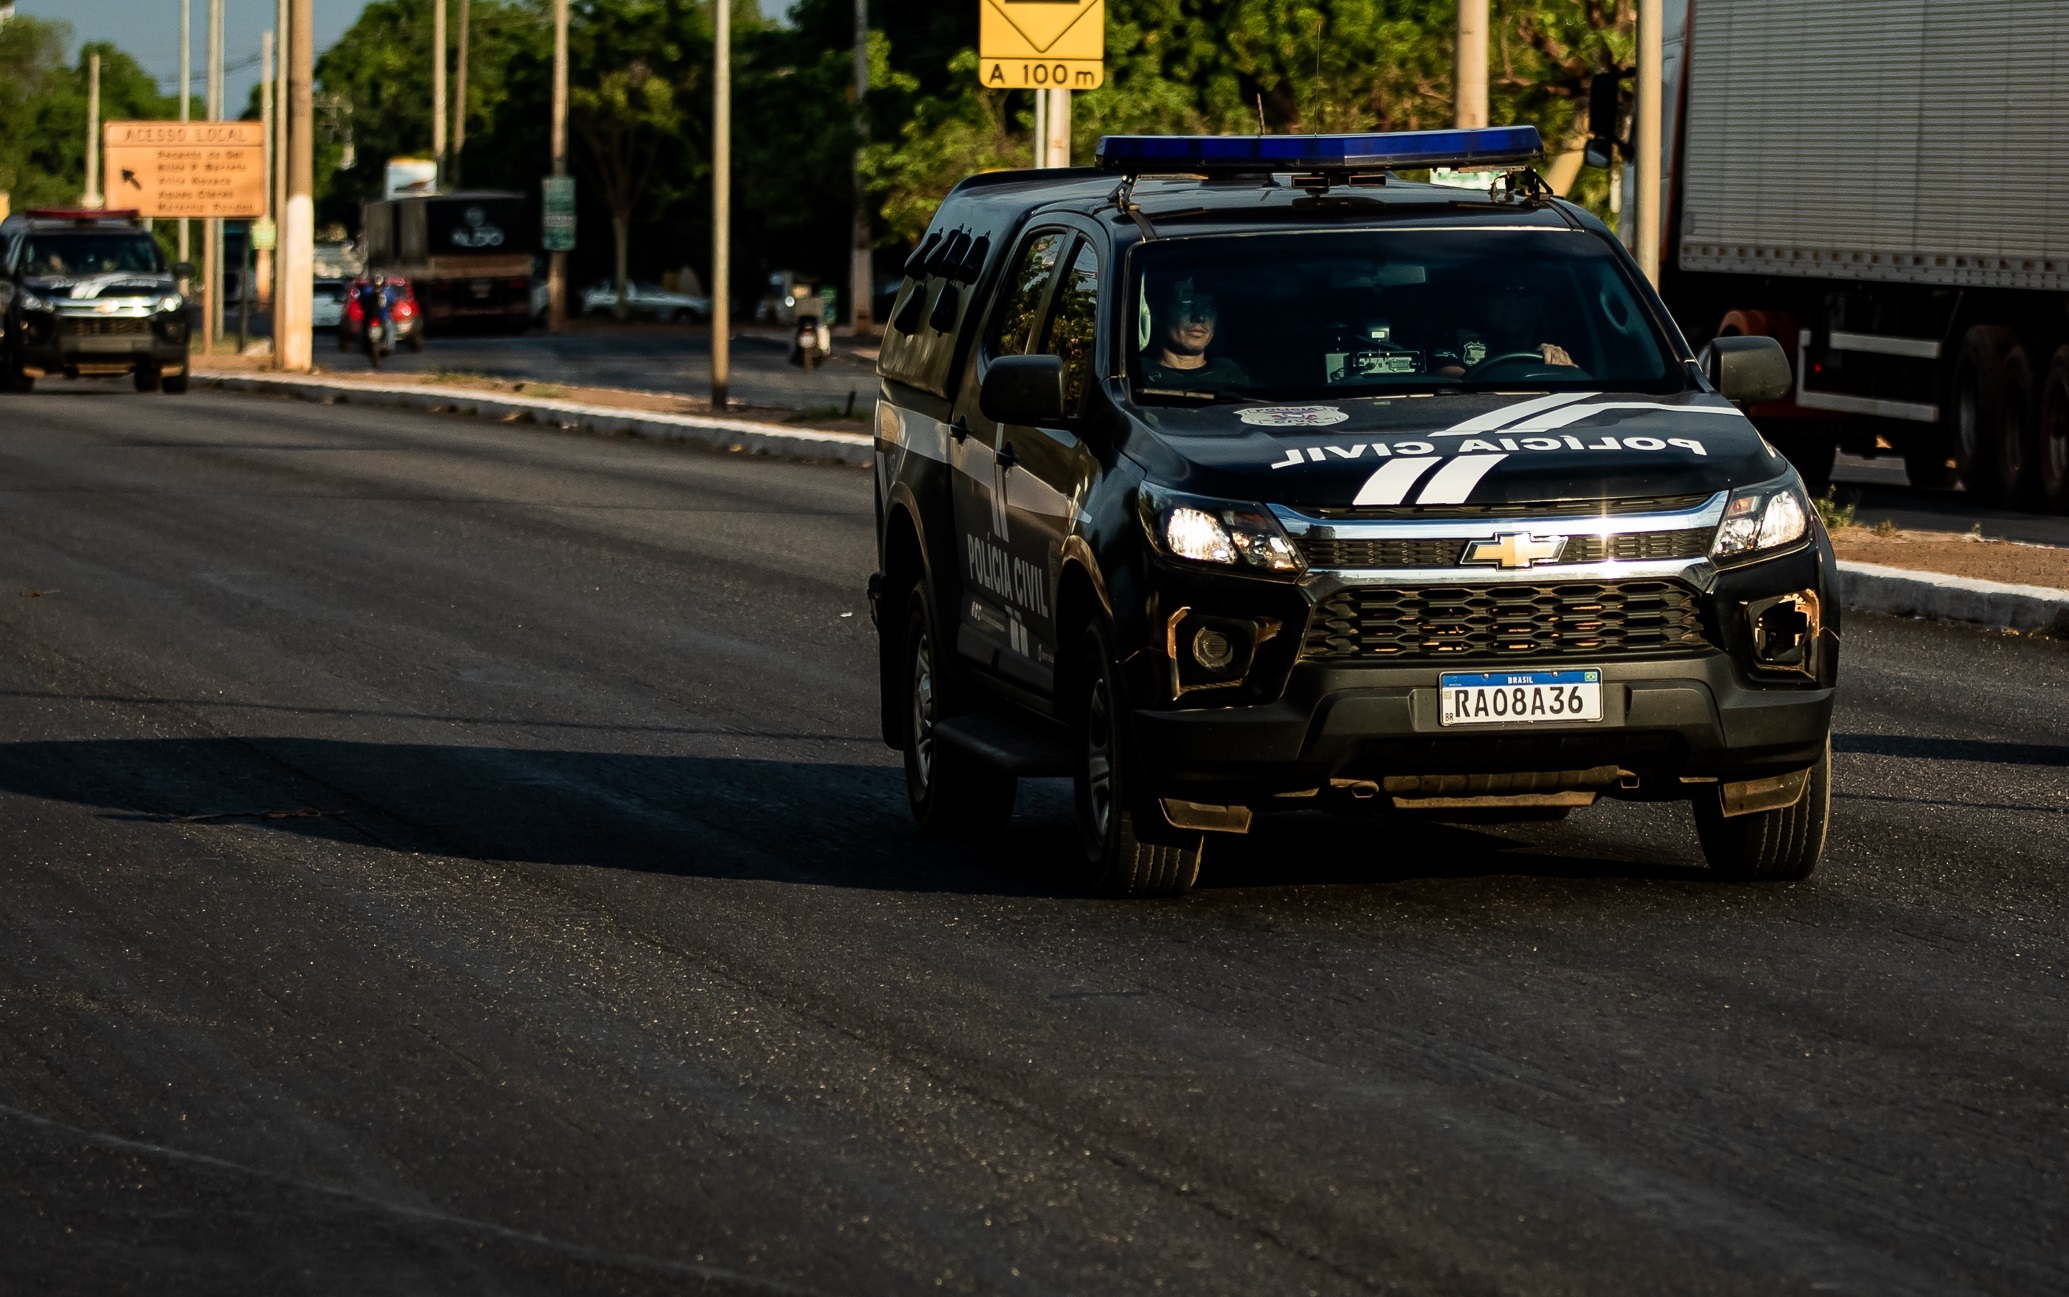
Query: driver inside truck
x=1178, y=330
x=1512, y=323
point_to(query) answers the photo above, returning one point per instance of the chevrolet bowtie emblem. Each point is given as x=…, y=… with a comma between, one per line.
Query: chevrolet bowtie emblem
x=1515, y=549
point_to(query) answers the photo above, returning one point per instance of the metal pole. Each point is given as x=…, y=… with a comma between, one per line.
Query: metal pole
x=279, y=200
x=1469, y=87
x=262, y=259
x=298, y=233
x=438, y=89
x=1058, y=121
x=186, y=90
x=212, y=231
x=460, y=92
x=1651, y=70
x=244, y=277
x=721, y=201
x=861, y=272
x=557, y=263
x=93, y=132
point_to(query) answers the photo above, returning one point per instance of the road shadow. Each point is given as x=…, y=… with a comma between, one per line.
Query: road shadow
x=839, y=824
x=1933, y=749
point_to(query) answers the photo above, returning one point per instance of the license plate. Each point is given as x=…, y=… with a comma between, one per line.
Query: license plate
x=1520, y=697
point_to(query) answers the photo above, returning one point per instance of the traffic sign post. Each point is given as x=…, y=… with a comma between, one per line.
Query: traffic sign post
x=1041, y=44
x=211, y=170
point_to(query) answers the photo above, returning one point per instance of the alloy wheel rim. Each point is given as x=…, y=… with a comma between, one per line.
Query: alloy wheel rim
x=1099, y=782
x=923, y=710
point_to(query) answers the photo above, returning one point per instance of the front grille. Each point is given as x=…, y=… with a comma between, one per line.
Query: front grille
x=1507, y=622
x=1382, y=553
x=1543, y=509
x=105, y=327
x=1639, y=546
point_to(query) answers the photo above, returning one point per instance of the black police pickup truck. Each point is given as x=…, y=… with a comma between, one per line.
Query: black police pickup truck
x=1237, y=475
x=89, y=292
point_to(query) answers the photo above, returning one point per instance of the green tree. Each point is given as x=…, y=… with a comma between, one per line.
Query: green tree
x=43, y=110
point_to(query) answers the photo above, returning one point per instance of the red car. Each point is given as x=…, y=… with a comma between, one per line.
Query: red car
x=403, y=312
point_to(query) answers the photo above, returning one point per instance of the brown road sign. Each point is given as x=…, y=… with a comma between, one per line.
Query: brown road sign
x=1041, y=44
x=186, y=168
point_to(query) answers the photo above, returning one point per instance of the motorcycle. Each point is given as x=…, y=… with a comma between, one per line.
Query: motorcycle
x=810, y=343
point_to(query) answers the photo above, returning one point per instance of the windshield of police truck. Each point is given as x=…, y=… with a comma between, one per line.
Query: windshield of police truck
x=1332, y=314
x=51, y=255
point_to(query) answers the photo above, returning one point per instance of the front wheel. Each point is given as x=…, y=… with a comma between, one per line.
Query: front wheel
x=12, y=377
x=951, y=793
x=1769, y=846
x=1128, y=848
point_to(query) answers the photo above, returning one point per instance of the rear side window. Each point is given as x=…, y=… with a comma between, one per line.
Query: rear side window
x=1073, y=323
x=1023, y=292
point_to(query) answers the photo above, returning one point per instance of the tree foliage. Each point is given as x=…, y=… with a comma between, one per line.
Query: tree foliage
x=43, y=109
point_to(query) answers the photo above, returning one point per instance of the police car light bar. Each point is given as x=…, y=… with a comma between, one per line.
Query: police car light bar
x=1492, y=146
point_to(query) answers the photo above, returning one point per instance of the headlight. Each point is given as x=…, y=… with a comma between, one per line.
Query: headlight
x=1221, y=532
x=1762, y=519
x=31, y=302
x=170, y=303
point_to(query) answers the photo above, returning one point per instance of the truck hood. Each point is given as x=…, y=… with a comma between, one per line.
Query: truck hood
x=92, y=286
x=1473, y=449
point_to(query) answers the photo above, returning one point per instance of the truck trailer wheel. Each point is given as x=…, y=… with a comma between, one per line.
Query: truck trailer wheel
x=1129, y=849
x=2012, y=456
x=951, y=794
x=1768, y=846
x=1974, y=419
x=2051, y=435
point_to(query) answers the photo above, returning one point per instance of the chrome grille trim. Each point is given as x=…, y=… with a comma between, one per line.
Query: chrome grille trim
x=1299, y=525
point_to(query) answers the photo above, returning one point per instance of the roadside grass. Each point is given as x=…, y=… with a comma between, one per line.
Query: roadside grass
x=458, y=376
x=546, y=390
x=1837, y=514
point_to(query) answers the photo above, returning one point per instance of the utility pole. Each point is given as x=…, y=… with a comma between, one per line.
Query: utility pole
x=1041, y=129
x=1651, y=69
x=278, y=201
x=212, y=230
x=861, y=273
x=293, y=311
x=93, y=132
x=1469, y=81
x=186, y=91
x=721, y=201
x=438, y=89
x=460, y=93
x=262, y=271
x=557, y=262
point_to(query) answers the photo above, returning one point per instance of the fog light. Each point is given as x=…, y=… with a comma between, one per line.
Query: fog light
x=1785, y=630
x=1212, y=649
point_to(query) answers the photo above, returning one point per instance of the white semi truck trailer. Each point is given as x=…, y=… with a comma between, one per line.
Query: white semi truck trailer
x=1883, y=186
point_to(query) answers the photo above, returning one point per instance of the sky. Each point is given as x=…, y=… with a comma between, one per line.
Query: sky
x=149, y=30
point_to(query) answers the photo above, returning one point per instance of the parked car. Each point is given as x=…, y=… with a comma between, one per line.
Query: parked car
x=329, y=303
x=646, y=299
x=405, y=314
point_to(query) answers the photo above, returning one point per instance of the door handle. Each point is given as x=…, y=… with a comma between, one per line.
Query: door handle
x=959, y=430
x=1007, y=458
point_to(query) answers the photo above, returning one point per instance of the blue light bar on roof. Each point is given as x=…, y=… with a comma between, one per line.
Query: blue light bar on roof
x=1154, y=154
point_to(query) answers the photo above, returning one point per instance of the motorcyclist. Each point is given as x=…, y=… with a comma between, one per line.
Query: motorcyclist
x=375, y=317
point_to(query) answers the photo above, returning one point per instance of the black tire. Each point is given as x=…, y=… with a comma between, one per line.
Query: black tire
x=1972, y=410
x=416, y=343
x=950, y=793
x=146, y=378
x=1768, y=846
x=344, y=339
x=12, y=376
x=2012, y=455
x=2051, y=435
x=175, y=383
x=1128, y=848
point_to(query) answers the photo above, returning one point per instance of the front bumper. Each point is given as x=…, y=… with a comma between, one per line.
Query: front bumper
x=1663, y=721
x=70, y=342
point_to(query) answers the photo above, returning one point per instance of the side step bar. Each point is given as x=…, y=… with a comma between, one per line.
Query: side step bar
x=1003, y=744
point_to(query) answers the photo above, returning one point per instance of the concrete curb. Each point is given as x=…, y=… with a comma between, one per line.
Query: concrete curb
x=743, y=436
x=1870, y=587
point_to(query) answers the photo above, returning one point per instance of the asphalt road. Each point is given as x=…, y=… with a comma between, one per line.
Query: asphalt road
x=642, y=357
x=446, y=858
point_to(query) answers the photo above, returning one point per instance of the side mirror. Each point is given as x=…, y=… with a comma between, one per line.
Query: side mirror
x=1599, y=153
x=1023, y=389
x=1749, y=370
x=1605, y=104
x=183, y=270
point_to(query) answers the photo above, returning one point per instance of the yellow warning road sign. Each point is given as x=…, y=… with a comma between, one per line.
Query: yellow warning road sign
x=206, y=169
x=1041, y=44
